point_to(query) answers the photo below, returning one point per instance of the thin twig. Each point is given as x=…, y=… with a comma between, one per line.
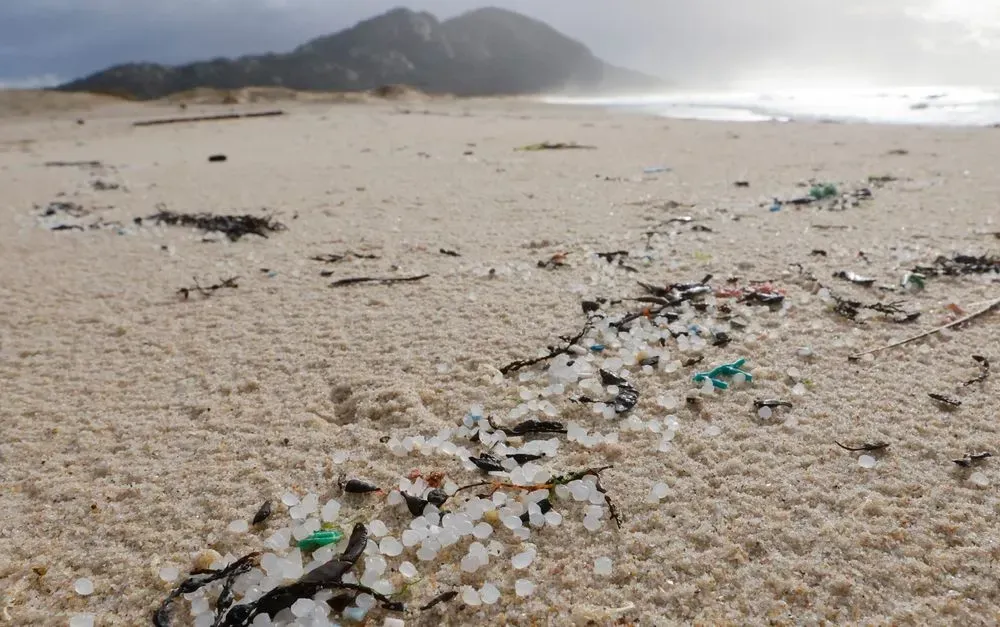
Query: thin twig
x=993, y=305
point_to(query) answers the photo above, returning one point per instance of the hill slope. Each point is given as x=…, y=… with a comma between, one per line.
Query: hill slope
x=483, y=52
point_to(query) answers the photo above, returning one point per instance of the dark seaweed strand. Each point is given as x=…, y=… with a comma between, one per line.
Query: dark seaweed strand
x=444, y=597
x=514, y=366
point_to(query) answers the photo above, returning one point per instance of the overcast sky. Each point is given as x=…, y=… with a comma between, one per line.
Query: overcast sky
x=691, y=41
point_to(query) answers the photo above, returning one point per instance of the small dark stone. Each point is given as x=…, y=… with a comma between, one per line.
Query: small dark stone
x=437, y=497
x=217, y=158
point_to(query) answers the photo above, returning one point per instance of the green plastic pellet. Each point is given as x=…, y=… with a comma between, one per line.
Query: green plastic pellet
x=319, y=539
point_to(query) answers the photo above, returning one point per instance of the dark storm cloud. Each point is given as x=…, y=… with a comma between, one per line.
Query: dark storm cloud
x=705, y=41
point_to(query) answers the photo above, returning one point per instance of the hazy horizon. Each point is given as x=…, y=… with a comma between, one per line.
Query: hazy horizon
x=710, y=44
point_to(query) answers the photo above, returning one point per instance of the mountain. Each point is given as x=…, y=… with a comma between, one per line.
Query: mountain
x=484, y=52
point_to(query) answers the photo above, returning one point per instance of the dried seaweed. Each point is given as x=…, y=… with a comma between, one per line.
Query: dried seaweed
x=358, y=486
x=971, y=459
x=523, y=458
x=627, y=396
x=378, y=280
x=984, y=371
x=947, y=401
x=101, y=185
x=959, y=265
x=596, y=472
x=618, y=258
x=233, y=226
x=329, y=576
x=263, y=513
x=73, y=209
x=555, y=146
x=449, y=253
x=514, y=366
x=230, y=283
x=334, y=258
x=201, y=578
x=530, y=427
x=444, y=597
x=74, y=164
x=867, y=446
x=415, y=504
x=893, y=311
x=487, y=462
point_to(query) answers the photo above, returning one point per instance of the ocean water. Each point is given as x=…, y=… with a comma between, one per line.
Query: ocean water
x=929, y=105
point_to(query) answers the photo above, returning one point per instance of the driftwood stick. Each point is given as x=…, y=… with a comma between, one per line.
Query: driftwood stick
x=209, y=118
x=995, y=304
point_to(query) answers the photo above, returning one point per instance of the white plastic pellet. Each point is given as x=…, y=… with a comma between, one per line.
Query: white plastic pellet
x=524, y=587
x=83, y=586
x=602, y=566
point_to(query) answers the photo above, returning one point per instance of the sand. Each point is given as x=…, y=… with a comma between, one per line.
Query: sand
x=137, y=425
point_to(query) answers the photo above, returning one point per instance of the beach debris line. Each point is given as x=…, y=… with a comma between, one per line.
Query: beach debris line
x=378, y=280
x=210, y=118
x=233, y=226
x=186, y=292
x=546, y=145
x=992, y=306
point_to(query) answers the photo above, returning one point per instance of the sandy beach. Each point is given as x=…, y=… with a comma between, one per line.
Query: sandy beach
x=138, y=425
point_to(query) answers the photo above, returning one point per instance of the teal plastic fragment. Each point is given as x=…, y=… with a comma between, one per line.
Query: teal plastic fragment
x=725, y=370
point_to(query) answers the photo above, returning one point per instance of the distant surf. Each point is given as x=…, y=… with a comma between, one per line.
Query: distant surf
x=936, y=106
